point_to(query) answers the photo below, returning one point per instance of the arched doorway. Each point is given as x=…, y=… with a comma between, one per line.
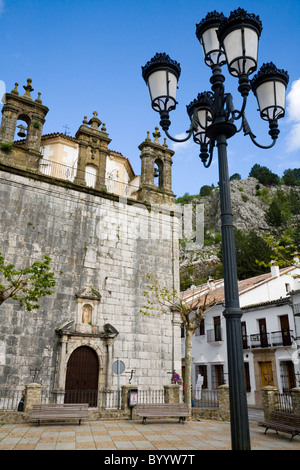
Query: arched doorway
x=82, y=377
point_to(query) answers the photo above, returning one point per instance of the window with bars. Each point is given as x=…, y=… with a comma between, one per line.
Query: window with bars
x=297, y=309
x=287, y=373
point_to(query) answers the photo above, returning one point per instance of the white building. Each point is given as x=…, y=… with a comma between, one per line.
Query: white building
x=60, y=159
x=270, y=332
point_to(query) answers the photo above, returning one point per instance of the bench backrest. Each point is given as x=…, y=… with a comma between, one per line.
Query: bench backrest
x=165, y=406
x=57, y=406
x=285, y=418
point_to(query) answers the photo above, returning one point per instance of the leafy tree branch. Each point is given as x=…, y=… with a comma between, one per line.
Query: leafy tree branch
x=285, y=252
x=26, y=285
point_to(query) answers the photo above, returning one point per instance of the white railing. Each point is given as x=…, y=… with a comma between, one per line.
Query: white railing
x=85, y=178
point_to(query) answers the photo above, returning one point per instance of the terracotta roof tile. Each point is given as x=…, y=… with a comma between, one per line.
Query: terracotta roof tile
x=215, y=289
x=59, y=134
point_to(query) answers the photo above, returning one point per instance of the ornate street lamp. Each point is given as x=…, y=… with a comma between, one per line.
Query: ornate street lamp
x=232, y=41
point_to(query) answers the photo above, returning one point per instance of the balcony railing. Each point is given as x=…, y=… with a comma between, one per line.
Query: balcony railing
x=268, y=340
x=282, y=338
x=85, y=178
x=214, y=335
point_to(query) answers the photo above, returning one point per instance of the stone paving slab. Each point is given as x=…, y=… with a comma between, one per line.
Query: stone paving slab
x=133, y=435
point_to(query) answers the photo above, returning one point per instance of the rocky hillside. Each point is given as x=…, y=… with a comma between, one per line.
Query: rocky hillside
x=248, y=208
x=251, y=202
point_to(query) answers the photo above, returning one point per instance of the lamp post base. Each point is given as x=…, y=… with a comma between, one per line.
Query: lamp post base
x=240, y=435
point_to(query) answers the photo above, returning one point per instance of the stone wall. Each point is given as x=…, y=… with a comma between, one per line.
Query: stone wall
x=98, y=244
x=221, y=413
x=271, y=400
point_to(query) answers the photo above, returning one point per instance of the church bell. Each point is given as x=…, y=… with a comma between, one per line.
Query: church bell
x=22, y=131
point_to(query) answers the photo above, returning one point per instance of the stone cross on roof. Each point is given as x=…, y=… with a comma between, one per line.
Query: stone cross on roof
x=95, y=122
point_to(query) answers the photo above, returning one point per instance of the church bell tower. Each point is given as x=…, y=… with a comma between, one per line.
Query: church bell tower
x=93, y=152
x=156, y=173
x=27, y=115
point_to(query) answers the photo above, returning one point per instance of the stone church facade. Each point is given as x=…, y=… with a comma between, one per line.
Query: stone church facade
x=102, y=245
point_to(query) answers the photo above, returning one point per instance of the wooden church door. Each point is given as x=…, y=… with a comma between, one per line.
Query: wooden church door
x=82, y=377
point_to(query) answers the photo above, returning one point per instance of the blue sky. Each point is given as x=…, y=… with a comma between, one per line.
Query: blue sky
x=87, y=55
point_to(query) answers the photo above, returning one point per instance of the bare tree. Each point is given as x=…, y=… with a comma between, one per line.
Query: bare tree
x=162, y=300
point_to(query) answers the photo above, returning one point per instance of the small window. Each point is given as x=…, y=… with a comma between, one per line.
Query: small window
x=218, y=379
x=297, y=309
x=247, y=376
x=217, y=328
x=202, y=370
x=202, y=328
x=200, y=331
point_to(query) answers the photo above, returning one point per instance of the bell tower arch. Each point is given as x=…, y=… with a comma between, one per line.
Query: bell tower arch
x=93, y=152
x=156, y=172
x=31, y=113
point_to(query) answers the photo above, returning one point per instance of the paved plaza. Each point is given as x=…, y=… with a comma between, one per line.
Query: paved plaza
x=133, y=436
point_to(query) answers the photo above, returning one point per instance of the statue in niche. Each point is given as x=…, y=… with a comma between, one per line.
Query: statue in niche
x=87, y=314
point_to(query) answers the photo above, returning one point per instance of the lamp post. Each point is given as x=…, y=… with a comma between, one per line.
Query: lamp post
x=232, y=41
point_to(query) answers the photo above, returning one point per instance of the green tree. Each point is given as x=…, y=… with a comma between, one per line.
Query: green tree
x=273, y=215
x=163, y=301
x=206, y=190
x=251, y=248
x=291, y=177
x=183, y=199
x=279, y=211
x=264, y=175
x=284, y=250
x=186, y=198
x=296, y=236
x=26, y=285
x=235, y=177
x=294, y=201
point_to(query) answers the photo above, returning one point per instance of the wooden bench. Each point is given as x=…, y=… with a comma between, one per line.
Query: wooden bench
x=171, y=410
x=62, y=412
x=282, y=421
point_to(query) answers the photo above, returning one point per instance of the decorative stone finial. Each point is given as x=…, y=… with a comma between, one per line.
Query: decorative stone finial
x=148, y=136
x=38, y=100
x=15, y=90
x=85, y=121
x=103, y=128
x=165, y=142
x=28, y=88
x=156, y=135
